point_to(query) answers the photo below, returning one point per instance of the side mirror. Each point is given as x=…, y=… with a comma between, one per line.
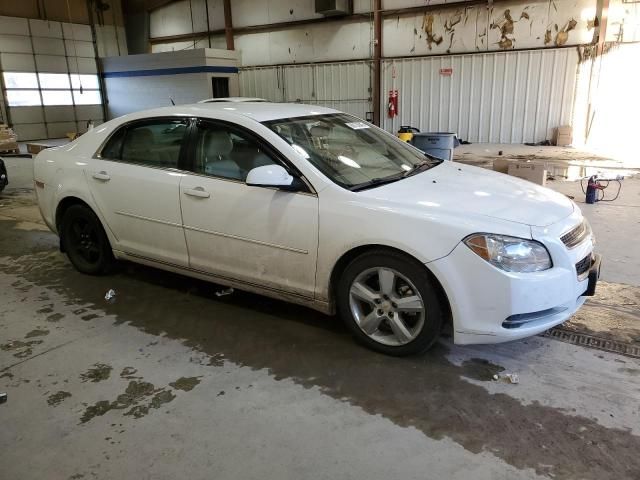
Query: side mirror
x=270, y=176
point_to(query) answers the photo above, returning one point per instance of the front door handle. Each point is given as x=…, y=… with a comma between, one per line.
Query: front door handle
x=196, y=192
x=104, y=176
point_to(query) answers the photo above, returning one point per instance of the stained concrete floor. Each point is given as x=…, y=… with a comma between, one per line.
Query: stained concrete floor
x=170, y=381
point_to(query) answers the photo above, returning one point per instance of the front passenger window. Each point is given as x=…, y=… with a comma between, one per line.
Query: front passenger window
x=156, y=144
x=225, y=152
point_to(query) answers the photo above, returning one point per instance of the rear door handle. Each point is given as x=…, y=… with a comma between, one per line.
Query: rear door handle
x=196, y=192
x=104, y=176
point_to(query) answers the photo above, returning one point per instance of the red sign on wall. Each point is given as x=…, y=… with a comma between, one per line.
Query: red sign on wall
x=446, y=72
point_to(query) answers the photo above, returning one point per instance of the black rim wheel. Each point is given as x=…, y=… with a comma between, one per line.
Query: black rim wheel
x=85, y=240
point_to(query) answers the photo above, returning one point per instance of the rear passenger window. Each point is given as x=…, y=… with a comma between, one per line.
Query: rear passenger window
x=154, y=143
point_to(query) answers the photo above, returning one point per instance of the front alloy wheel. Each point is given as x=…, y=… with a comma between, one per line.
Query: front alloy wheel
x=388, y=301
x=387, y=306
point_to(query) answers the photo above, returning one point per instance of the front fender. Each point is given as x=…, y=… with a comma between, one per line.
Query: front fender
x=427, y=234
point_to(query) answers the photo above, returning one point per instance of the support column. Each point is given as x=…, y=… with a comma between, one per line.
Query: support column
x=377, y=55
x=228, y=25
x=602, y=16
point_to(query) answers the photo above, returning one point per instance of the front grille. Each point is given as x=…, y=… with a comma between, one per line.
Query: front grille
x=576, y=235
x=583, y=265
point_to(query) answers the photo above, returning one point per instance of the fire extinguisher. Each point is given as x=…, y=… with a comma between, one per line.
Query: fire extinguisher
x=392, y=109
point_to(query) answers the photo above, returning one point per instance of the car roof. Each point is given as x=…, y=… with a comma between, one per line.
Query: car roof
x=258, y=111
x=232, y=100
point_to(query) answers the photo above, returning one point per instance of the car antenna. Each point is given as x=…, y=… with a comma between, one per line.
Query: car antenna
x=172, y=102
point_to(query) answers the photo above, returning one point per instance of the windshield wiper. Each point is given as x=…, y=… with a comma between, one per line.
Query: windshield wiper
x=422, y=166
x=374, y=182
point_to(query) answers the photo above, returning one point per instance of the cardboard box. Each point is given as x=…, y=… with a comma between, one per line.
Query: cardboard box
x=35, y=148
x=564, y=136
x=501, y=165
x=8, y=146
x=533, y=172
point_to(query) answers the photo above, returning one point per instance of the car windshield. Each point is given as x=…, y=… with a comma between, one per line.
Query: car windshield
x=352, y=153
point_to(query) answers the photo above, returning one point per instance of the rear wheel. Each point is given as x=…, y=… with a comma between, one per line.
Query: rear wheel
x=388, y=302
x=85, y=241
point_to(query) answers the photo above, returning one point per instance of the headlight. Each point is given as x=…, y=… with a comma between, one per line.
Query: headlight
x=511, y=254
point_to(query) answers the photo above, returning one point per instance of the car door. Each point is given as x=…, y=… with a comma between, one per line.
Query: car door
x=258, y=235
x=135, y=183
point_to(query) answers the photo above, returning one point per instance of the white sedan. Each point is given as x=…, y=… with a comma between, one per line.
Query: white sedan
x=319, y=208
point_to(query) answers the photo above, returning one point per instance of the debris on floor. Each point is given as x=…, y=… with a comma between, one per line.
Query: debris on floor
x=224, y=291
x=110, y=295
x=3, y=398
x=543, y=143
x=507, y=378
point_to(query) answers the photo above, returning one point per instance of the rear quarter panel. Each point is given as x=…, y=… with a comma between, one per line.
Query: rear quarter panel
x=59, y=173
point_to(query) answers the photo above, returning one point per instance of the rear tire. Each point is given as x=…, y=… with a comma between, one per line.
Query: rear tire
x=388, y=301
x=85, y=241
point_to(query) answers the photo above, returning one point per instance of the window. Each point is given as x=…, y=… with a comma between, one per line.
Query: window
x=113, y=148
x=348, y=151
x=223, y=151
x=57, y=97
x=86, y=97
x=54, y=80
x=20, y=80
x=29, y=89
x=22, y=89
x=154, y=143
x=23, y=98
x=84, y=81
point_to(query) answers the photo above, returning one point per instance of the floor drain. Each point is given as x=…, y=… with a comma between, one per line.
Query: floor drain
x=593, y=342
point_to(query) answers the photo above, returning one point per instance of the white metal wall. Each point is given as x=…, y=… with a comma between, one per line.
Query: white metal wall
x=504, y=97
x=341, y=85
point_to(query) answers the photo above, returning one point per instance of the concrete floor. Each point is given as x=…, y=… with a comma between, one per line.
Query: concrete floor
x=170, y=381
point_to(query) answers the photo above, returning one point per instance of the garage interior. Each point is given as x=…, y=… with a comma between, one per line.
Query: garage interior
x=173, y=377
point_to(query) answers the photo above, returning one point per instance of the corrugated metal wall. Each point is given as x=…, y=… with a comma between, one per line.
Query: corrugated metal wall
x=262, y=82
x=504, y=97
x=340, y=85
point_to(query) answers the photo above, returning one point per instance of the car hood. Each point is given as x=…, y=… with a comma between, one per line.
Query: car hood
x=460, y=188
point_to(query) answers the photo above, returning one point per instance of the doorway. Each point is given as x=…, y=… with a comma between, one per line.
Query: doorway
x=220, y=87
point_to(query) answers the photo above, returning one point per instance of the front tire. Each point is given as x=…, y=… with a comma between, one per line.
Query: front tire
x=388, y=302
x=85, y=241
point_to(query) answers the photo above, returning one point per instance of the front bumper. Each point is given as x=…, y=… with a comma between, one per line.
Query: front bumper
x=490, y=305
